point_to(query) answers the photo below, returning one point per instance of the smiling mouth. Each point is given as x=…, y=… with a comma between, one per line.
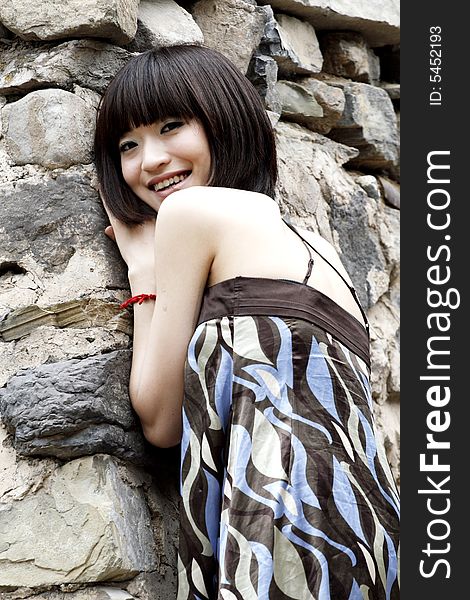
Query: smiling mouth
x=166, y=184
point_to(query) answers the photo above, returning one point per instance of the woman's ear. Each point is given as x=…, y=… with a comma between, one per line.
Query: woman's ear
x=109, y=231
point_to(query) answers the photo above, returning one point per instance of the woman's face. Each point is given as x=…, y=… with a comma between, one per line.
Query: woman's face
x=169, y=155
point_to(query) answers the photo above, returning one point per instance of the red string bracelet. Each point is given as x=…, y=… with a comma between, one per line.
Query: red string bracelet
x=137, y=299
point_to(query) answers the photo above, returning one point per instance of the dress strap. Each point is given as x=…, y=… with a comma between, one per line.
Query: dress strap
x=351, y=288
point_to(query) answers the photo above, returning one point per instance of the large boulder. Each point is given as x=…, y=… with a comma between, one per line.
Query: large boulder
x=62, y=253
x=369, y=124
x=313, y=103
x=115, y=20
x=73, y=408
x=233, y=27
x=88, y=521
x=292, y=43
x=164, y=23
x=377, y=20
x=27, y=66
x=52, y=128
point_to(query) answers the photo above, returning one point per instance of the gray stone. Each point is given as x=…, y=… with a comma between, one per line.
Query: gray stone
x=52, y=128
x=293, y=44
x=273, y=118
x=388, y=427
x=115, y=20
x=73, y=408
x=262, y=73
x=298, y=104
x=151, y=586
x=233, y=27
x=331, y=100
x=298, y=191
x=338, y=152
x=164, y=23
x=71, y=591
x=49, y=344
x=369, y=124
x=370, y=185
x=309, y=174
x=88, y=522
x=27, y=66
x=377, y=20
x=163, y=501
x=65, y=237
x=90, y=97
x=391, y=191
x=361, y=251
x=385, y=323
x=347, y=54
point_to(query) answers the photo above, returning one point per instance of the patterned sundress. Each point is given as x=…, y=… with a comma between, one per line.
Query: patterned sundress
x=286, y=493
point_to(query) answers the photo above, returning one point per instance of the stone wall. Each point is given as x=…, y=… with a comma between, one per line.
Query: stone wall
x=88, y=509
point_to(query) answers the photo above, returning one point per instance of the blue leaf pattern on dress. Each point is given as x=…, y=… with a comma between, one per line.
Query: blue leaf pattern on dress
x=283, y=466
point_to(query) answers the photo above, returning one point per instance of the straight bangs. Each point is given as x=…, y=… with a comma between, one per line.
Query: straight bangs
x=147, y=93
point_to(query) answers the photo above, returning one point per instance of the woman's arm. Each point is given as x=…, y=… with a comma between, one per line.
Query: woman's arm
x=184, y=250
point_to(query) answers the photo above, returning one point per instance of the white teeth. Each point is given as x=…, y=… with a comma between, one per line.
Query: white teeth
x=171, y=181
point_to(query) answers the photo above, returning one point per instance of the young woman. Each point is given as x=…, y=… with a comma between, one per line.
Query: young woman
x=255, y=352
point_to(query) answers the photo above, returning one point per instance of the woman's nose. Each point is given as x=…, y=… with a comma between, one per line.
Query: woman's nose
x=154, y=156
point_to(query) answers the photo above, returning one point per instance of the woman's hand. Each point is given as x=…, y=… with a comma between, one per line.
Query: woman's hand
x=136, y=243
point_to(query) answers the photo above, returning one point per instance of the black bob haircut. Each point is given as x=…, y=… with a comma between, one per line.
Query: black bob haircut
x=185, y=82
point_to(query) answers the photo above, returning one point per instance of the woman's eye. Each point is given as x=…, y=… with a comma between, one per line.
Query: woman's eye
x=171, y=125
x=125, y=146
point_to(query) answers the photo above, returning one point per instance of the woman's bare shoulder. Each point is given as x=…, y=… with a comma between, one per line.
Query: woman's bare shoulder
x=217, y=203
x=213, y=212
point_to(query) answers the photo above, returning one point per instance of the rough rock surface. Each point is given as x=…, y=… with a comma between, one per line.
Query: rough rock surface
x=99, y=592
x=262, y=73
x=385, y=354
x=292, y=43
x=62, y=253
x=164, y=23
x=73, y=408
x=233, y=27
x=52, y=128
x=163, y=501
x=347, y=54
x=27, y=66
x=87, y=522
x=115, y=20
x=361, y=252
x=377, y=20
x=369, y=184
x=369, y=124
x=309, y=172
x=298, y=103
x=330, y=99
x=50, y=344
